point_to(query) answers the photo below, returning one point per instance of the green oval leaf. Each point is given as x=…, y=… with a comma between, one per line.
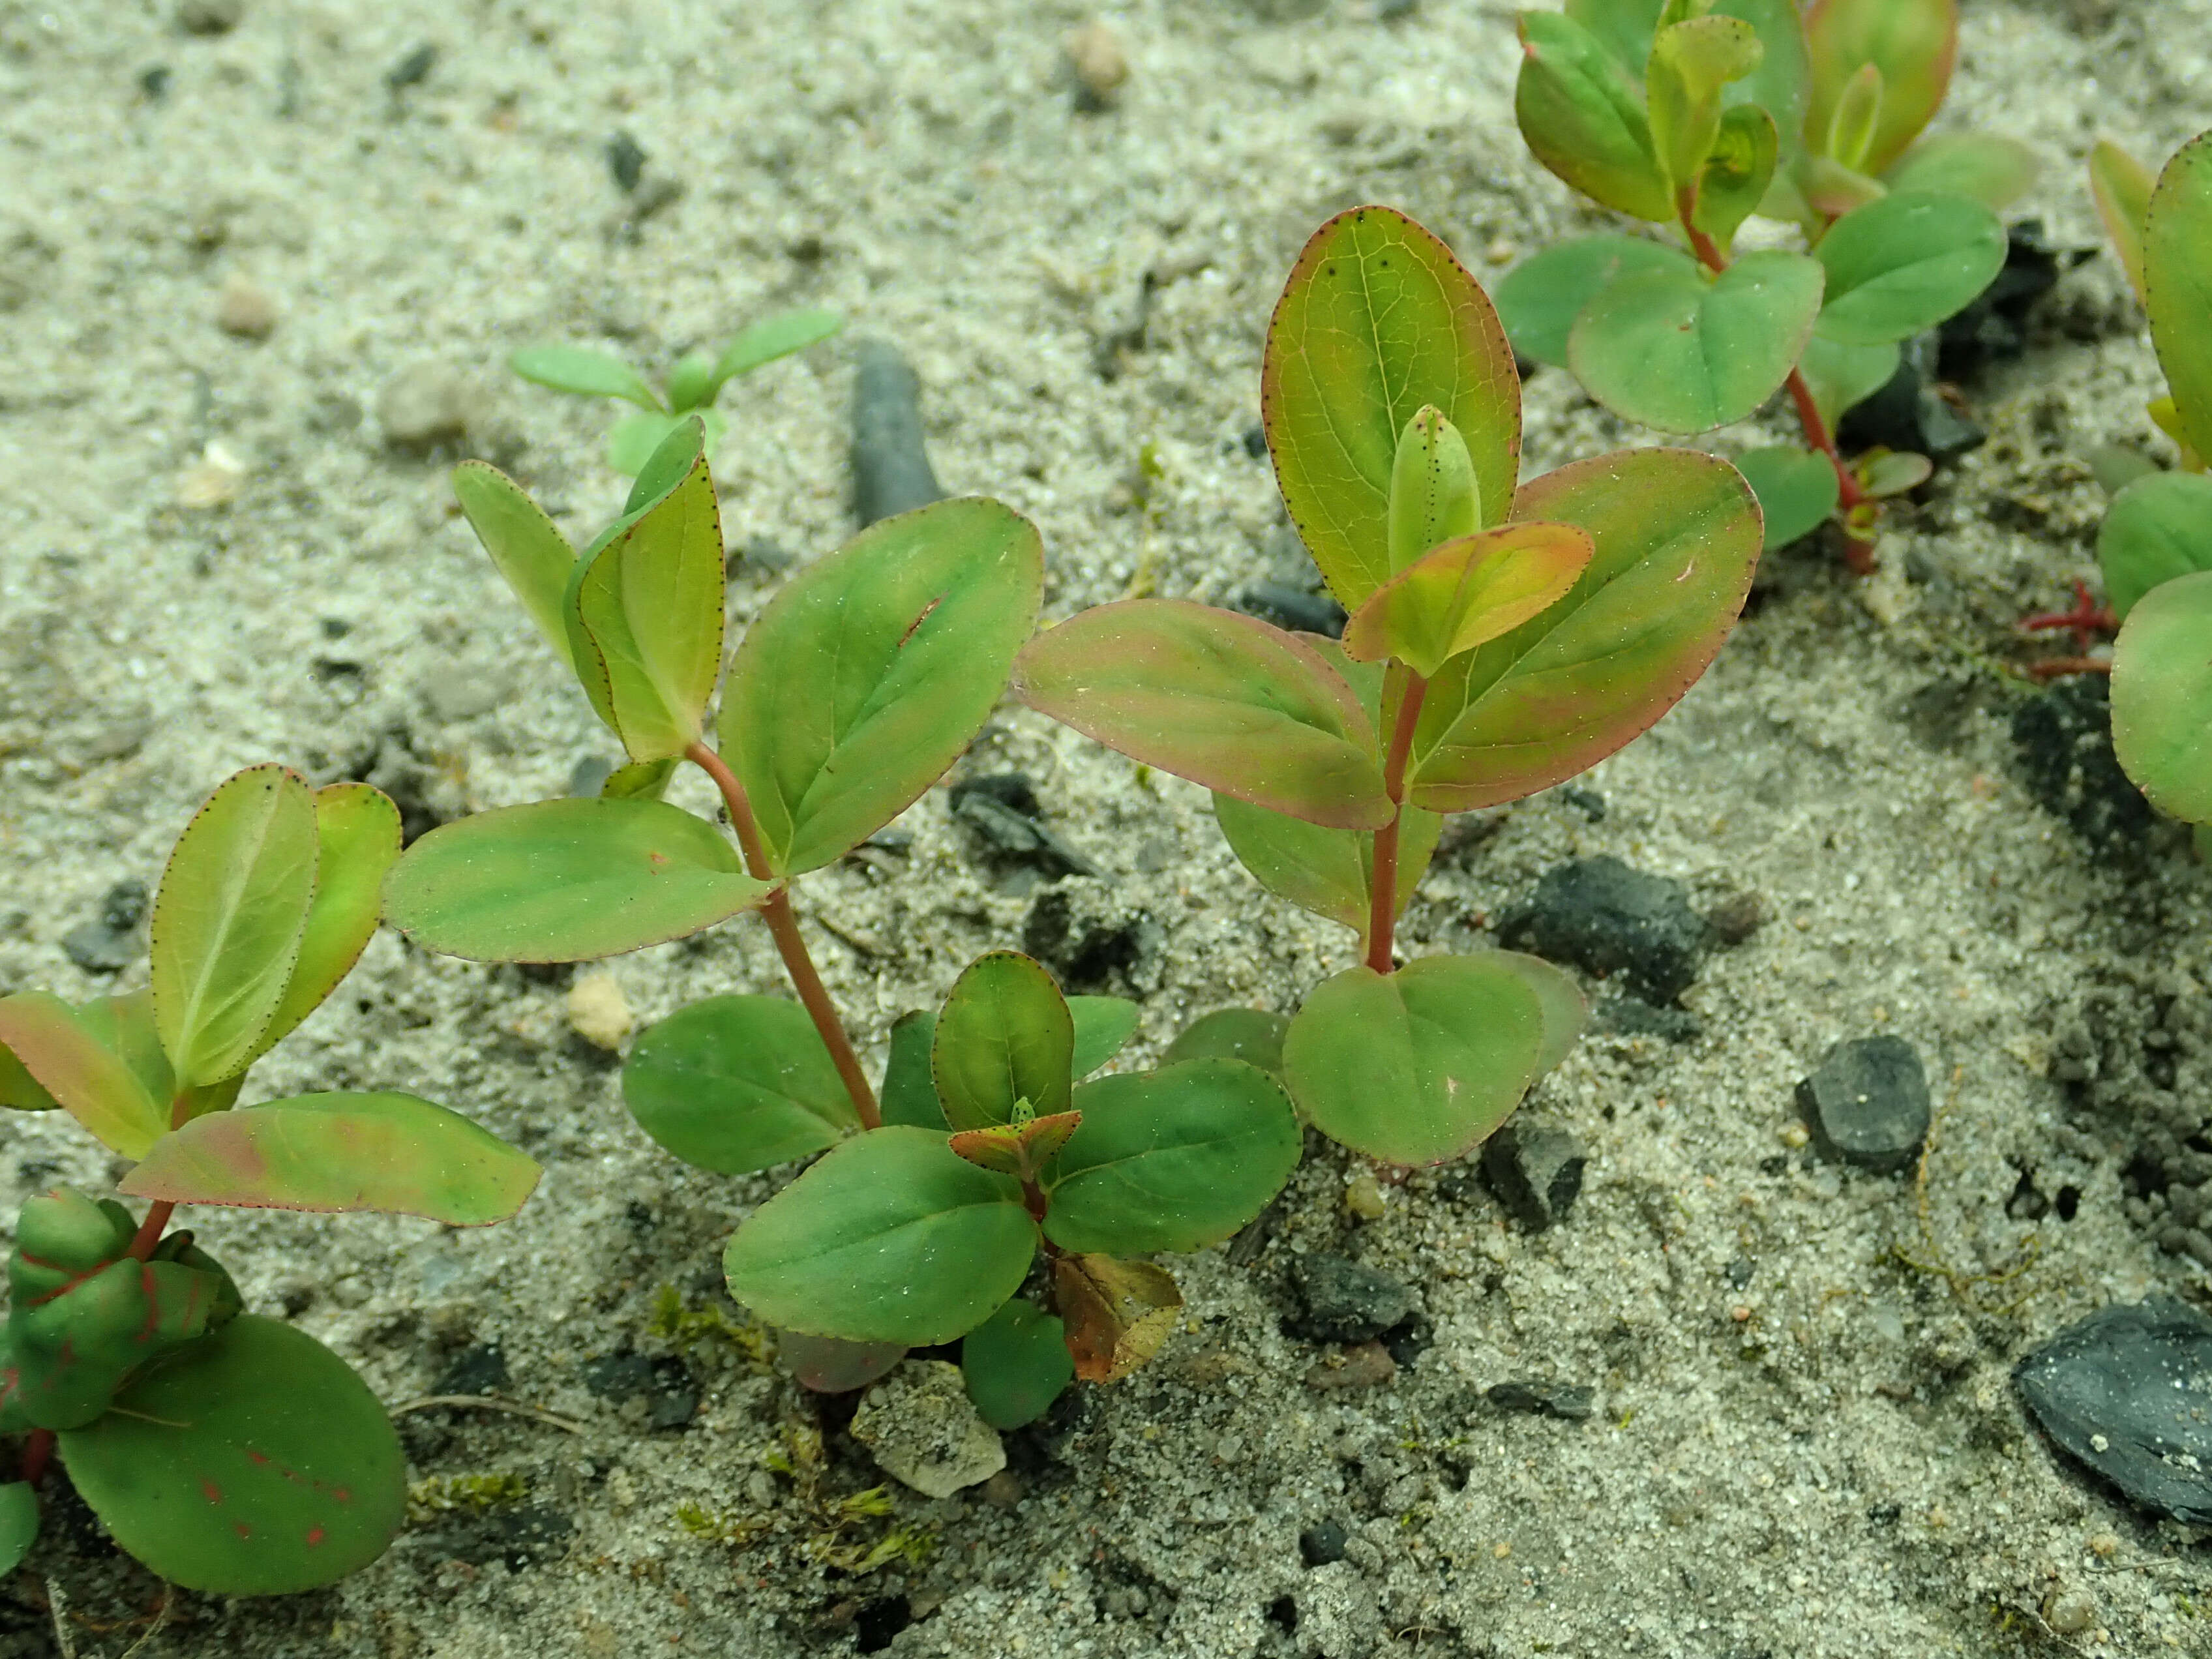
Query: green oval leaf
x=1467, y=593
x=526, y=546
x=1432, y=489
x=1737, y=173
x=736, y=1084
x=388, y=1153
x=254, y=1462
x=1419, y=1065
x=357, y=841
x=1222, y=699
x=1994, y=171
x=1005, y=1036
x=1324, y=871
x=890, y=1237
x=2178, y=285
x=1691, y=61
x=1253, y=1034
x=1174, y=1159
x=1914, y=46
x=1016, y=1364
x=2162, y=696
x=1674, y=350
x=19, y=1518
x=632, y=441
x=2122, y=186
x=1797, y=490
x=769, y=338
x=1677, y=535
x=228, y=919
x=584, y=371
x=2156, y=529
x=1904, y=264
x=1582, y=118
x=873, y=669
x=1840, y=376
x=909, y=1092
x=1103, y=1026
x=1377, y=321
x=650, y=605
x=1624, y=27
x=1542, y=296
x=566, y=881
x=61, y=1049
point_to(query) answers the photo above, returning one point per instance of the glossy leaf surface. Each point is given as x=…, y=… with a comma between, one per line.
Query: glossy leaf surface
x=2177, y=286
x=1905, y=263
x=1580, y=115
x=1624, y=27
x=357, y=843
x=1677, y=535
x=1466, y=593
x=526, y=546
x=62, y=1051
x=1541, y=298
x=1840, y=376
x=2156, y=529
x=1674, y=350
x=566, y=881
x=1419, y=1065
x=1324, y=871
x=735, y=1084
x=1117, y=1314
x=1797, y=490
x=1433, y=496
x=389, y=1152
x=1103, y=1026
x=1983, y=167
x=765, y=341
x=2123, y=187
x=1222, y=699
x=584, y=371
x=1171, y=1160
x=908, y=1094
x=873, y=669
x=253, y=1463
x=638, y=780
x=890, y=1237
x=1005, y=1036
x=1252, y=1034
x=1377, y=321
x=228, y=918
x=827, y=1365
x=1913, y=44
x=19, y=1091
x=1016, y=1364
x=2162, y=696
x=19, y=1523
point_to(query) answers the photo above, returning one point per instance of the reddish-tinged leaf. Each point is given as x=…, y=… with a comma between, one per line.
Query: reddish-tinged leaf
x=828, y=1365
x=1466, y=593
x=1914, y=43
x=1017, y=1150
x=1221, y=699
x=1117, y=1313
x=98, y=1088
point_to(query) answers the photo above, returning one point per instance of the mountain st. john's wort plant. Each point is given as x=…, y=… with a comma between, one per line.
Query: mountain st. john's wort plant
x=1501, y=641
x=228, y=1452
x=1696, y=114
x=693, y=384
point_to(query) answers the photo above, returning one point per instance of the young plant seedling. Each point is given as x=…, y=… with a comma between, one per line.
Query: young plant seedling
x=1500, y=642
x=860, y=683
x=230, y=1453
x=1696, y=114
x=994, y=1148
x=691, y=387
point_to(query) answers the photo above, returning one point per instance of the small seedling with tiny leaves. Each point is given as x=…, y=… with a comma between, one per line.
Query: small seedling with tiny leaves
x=1696, y=114
x=691, y=387
x=2155, y=547
x=993, y=1147
x=230, y=1453
x=1501, y=641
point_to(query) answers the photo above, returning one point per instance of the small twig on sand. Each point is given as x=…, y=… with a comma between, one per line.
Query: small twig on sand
x=491, y=1403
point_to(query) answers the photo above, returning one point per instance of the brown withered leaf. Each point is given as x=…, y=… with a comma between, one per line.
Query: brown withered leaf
x=1117, y=1313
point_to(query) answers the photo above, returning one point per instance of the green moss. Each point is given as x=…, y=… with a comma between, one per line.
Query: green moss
x=441, y=1495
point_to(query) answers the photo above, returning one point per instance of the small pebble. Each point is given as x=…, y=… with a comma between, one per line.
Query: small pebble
x=598, y=1013
x=891, y=464
x=1536, y=1170
x=1344, y=1301
x=1572, y=1402
x=245, y=311
x=1737, y=917
x=1369, y=1365
x=1868, y=1103
x=413, y=68
x=1099, y=63
x=424, y=403
x=2120, y=1392
x=625, y=161
x=2068, y=1611
x=1363, y=1197
x=1323, y=1544
x=209, y=16
x=1600, y=915
x=1293, y=608
x=211, y=482
x=921, y=1429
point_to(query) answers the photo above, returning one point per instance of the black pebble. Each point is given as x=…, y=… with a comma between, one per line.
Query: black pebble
x=891, y=465
x=1536, y=1170
x=1633, y=1016
x=2124, y=1392
x=1601, y=916
x=1294, y=608
x=1002, y=810
x=625, y=161
x=480, y=1368
x=1868, y=1103
x=1573, y=1401
x=111, y=943
x=414, y=68
x=2063, y=737
x=1908, y=413
x=1322, y=1543
x=1341, y=1300
x=1993, y=327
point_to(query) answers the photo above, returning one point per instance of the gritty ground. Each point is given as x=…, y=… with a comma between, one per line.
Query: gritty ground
x=1805, y=1443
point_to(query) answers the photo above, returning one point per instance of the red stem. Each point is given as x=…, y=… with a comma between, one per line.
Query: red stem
x=783, y=927
x=1383, y=894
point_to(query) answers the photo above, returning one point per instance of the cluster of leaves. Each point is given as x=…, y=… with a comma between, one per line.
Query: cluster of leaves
x=693, y=384
x=229, y=1453
x=1696, y=114
x=2156, y=546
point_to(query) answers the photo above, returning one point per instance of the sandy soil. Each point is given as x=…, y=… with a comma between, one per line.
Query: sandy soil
x=1804, y=1446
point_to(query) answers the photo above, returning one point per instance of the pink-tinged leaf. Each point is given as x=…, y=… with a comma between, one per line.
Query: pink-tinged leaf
x=829, y=1365
x=1914, y=44
x=1223, y=700
x=96, y=1085
x=1677, y=535
x=386, y=1153
x=1376, y=320
x=2123, y=187
x=1467, y=593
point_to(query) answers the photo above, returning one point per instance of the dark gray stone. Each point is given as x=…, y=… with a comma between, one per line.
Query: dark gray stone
x=113, y=942
x=1737, y=917
x=480, y=1368
x=625, y=161
x=1633, y=1016
x=2063, y=737
x=1868, y=1103
x=1293, y=608
x=1322, y=1543
x=664, y=1383
x=1601, y=916
x=1572, y=1402
x=124, y=906
x=1908, y=413
x=1342, y=1301
x=1536, y=1170
x=2128, y=1394
x=1002, y=808
x=413, y=68
x=891, y=465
